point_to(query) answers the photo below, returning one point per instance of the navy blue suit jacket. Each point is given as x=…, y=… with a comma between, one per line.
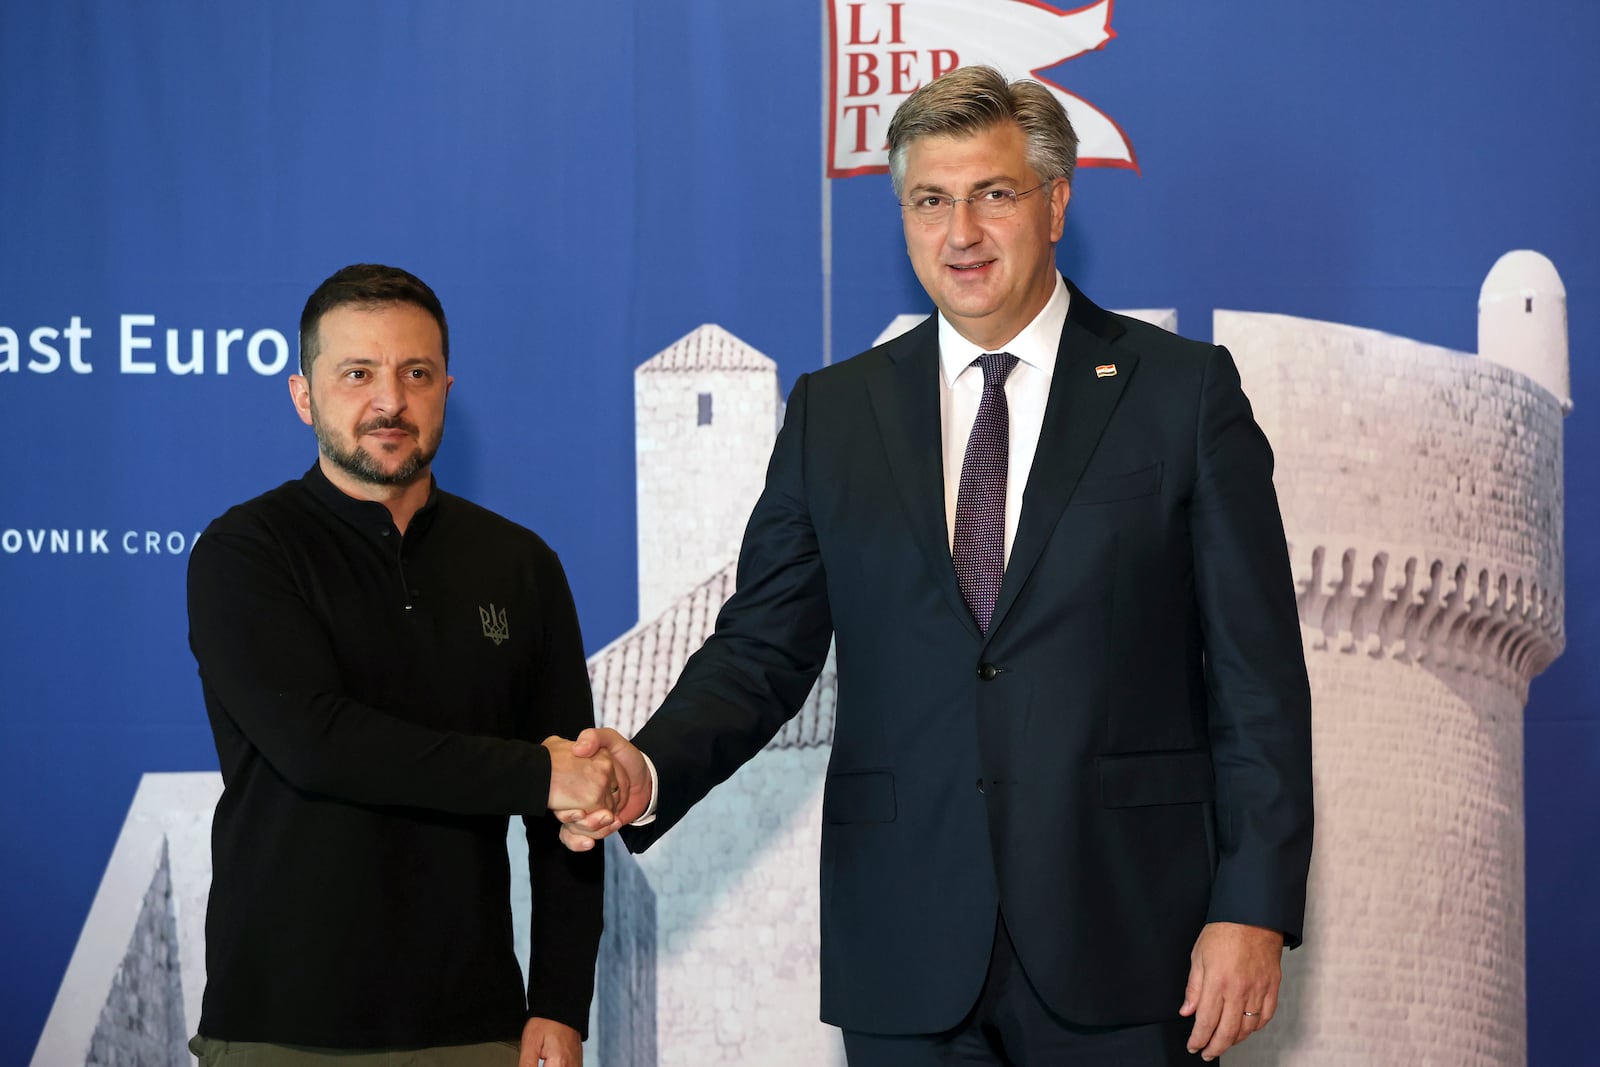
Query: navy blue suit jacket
x=1123, y=758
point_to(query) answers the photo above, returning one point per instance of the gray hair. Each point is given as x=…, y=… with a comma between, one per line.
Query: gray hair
x=972, y=99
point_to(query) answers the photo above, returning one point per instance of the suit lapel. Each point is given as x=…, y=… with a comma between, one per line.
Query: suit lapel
x=905, y=398
x=1075, y=415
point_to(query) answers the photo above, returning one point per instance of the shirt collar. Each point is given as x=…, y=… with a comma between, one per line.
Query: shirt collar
x=1036, y=345
x=369, y=515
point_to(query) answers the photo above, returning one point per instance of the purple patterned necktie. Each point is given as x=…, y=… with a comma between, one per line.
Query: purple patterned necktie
x=979, y=550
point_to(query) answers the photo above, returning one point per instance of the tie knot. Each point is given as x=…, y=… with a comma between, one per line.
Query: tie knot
x=997, y=366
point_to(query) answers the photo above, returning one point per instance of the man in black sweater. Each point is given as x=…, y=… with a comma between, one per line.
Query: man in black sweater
x=380, y=661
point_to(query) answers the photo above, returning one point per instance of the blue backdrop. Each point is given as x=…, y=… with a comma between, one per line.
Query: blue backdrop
x=583, y=184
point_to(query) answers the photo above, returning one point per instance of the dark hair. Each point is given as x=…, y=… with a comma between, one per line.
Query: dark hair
x=366, y=285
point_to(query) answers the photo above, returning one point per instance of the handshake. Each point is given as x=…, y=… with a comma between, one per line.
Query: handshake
x=599, y=783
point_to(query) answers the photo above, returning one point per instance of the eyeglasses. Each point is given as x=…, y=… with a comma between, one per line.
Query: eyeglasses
x=996, y=203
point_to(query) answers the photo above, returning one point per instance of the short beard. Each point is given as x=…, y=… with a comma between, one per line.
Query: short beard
x=363, y=465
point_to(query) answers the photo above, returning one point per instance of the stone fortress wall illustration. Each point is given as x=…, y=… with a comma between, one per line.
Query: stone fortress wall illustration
x=1421, y=491
x=1422, y=499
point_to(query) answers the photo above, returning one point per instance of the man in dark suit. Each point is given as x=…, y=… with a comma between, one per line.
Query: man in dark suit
x=1069, y=799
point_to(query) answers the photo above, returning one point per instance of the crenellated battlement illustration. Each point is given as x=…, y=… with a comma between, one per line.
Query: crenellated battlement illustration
x=1419, y=607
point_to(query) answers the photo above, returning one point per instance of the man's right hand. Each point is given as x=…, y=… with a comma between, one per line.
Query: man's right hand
x=589, y=781
x=582, y=827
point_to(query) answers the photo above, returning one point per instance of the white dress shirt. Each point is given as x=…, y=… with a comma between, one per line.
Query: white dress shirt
x=1027, y=390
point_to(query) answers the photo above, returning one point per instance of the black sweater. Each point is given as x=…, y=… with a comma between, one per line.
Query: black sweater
x=378, y=703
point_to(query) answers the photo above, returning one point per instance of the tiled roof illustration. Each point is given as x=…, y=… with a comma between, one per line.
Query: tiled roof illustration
x=707, y=347
x=633, y=674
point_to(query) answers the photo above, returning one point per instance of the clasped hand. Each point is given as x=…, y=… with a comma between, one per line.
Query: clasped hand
x=598, y=784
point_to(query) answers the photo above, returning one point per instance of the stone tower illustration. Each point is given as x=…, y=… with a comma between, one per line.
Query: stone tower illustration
x=712, y=950
x=706, y=413
x=1422, y=497
x=1522, y=321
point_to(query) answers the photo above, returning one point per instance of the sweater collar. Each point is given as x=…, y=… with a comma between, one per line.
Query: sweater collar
x=369, y=516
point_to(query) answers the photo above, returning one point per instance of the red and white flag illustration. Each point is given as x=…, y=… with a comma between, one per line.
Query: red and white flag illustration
x=883, y=50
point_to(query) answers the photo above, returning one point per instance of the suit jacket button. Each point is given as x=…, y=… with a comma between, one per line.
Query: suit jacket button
x=987, y=671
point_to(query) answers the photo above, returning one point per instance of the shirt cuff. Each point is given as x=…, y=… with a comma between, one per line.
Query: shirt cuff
x=649, y=815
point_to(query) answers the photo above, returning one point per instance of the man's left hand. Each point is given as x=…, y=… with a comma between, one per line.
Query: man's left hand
x=1234, y=972
x=553, y=1044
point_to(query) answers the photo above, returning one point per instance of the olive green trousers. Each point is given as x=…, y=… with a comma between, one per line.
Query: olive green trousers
x=260, y=1054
